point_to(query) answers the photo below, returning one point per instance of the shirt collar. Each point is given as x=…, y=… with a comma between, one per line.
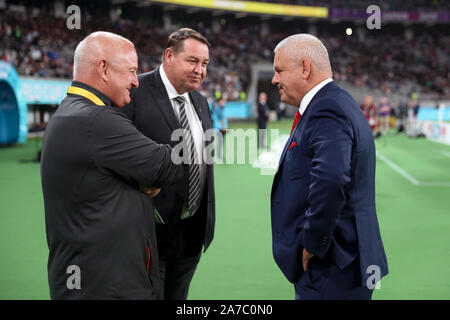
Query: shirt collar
x=105, y=99
x=311, y=93
x=171, y=91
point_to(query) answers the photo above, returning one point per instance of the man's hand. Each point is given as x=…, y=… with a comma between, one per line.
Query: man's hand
x=305, y=258
x=151, y=192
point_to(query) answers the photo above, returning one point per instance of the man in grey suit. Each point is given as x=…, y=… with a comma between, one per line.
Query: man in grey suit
x=165, y=101
x=100, y=230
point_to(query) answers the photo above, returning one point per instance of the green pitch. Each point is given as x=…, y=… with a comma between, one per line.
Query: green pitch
x=413, y=205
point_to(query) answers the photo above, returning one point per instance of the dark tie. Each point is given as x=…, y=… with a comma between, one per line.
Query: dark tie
x=194, y=167
x=297, y=118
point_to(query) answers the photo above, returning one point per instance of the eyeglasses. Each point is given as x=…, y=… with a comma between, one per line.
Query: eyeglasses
x=132, y=71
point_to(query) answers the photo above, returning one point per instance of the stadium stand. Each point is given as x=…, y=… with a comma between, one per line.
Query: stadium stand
x=40, y=45
x=363, y=4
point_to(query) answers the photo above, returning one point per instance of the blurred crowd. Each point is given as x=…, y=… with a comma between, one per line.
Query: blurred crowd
x=40, y=45
x=393, y=64
x=383, y=116
x=363, y=4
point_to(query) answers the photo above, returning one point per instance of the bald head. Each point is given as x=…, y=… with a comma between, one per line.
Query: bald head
x=108, y=63
x=98, y=45
x=303, y=45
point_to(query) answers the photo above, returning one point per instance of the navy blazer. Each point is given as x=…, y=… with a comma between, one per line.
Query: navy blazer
x=323, y=194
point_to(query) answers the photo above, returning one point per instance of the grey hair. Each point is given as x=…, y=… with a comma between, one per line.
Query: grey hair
x=305, y=45
x=84, y=50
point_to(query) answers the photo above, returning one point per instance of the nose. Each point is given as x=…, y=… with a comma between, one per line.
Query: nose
x=275, y=79
x=198, y=68
x=135, y=81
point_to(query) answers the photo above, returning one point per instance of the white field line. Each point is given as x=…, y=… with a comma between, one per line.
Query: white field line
x=409, y=177
x=435, y=184
x=399, y=170
x=446, y=153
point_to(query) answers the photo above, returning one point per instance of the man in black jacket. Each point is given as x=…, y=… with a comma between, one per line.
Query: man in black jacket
x=263, y=116
x=166, y=102
x=100, y=231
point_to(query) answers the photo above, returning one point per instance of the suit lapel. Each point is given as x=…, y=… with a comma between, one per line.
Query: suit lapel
x=163, y=101
x=320, y=93
x=288, y=143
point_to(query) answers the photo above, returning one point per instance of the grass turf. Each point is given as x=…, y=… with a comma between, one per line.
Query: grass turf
x=414, y=222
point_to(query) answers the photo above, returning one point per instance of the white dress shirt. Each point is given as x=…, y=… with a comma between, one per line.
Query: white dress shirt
x=196, y=129
x=310, y=95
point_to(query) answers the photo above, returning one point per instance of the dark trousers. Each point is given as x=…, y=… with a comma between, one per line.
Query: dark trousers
x=176, y=276
x=178, y=264
x=324, y=280
x=262, y=130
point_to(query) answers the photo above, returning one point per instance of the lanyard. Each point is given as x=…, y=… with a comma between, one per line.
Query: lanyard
x=87, y=94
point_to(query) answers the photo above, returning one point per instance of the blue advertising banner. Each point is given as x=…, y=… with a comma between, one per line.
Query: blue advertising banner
x=13, y=107
x=41, y=91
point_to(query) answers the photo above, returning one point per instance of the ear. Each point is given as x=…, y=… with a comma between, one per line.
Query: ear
x=168, y=54
x=305, y=68
x=102, y=70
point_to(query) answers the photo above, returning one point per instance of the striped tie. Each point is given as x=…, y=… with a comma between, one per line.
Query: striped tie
x=194, y=167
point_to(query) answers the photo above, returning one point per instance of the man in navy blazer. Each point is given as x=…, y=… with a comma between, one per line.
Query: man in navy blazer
x=326, y=238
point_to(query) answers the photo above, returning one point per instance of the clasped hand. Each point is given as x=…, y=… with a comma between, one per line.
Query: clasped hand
x=150, y=191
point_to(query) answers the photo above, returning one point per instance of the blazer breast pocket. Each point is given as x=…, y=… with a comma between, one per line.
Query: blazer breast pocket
x=299, y=164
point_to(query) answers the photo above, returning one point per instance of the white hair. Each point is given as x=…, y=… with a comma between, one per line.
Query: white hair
x=305, y=45
x=88, y=49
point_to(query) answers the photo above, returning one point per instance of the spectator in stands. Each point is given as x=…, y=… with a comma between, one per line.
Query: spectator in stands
x=384, y=111
x=370, y=111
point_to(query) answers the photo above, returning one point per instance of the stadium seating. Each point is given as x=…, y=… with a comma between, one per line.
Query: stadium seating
x=40, y=45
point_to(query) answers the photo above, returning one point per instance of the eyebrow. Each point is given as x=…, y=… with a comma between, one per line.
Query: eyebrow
x=195, y=58
x=132, y=68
